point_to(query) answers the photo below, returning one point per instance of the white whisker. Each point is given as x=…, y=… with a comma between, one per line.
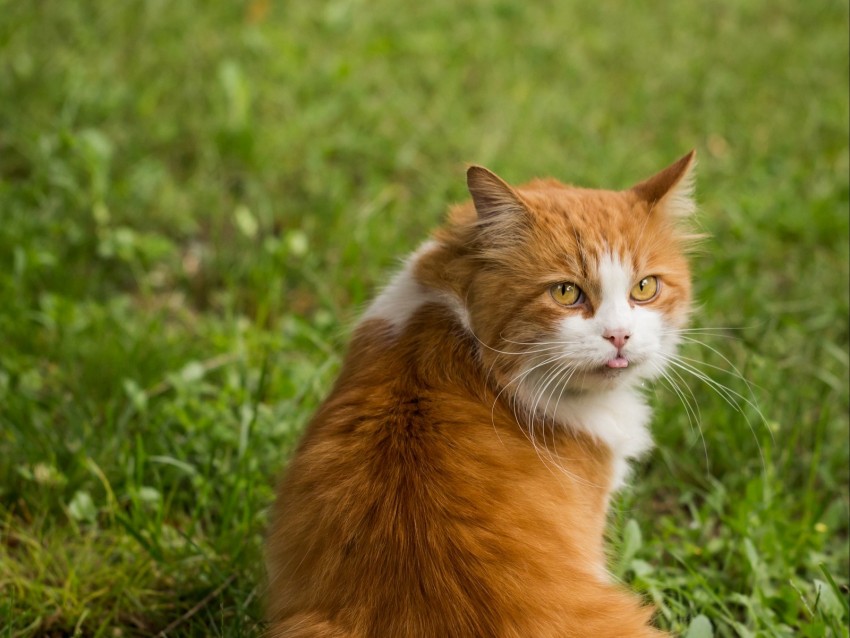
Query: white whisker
x=725, y=359
x=560, y=342
x=729, y=395
x=692, y=410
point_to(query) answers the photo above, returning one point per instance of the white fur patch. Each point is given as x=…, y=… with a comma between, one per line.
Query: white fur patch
x=617, y=418
x=404, y=295
x=615, y=312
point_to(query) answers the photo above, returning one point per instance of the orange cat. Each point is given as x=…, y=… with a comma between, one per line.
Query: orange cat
x=455, y=482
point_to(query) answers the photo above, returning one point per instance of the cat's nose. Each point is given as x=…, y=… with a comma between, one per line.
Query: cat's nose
x=617, y=338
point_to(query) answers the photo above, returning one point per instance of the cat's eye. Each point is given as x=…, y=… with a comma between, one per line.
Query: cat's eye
x=646, y=289
x=567, y=294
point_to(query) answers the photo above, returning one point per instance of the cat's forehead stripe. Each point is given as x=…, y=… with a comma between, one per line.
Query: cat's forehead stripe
x=615, y=277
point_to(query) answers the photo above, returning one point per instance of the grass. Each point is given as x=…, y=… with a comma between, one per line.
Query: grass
x=197, y=197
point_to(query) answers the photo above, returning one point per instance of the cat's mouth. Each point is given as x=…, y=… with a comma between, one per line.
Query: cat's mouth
x=617, y=363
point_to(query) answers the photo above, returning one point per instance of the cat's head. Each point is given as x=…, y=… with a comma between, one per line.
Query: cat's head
x=574, y=289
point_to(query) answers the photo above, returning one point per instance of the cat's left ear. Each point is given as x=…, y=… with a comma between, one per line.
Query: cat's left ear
x=672, y=189
x=492, y=196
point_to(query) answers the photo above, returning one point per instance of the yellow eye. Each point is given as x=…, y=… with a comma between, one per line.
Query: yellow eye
x=646, y=289
x=566, y=294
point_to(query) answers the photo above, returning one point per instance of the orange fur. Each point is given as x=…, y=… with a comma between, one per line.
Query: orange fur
x=417, y=503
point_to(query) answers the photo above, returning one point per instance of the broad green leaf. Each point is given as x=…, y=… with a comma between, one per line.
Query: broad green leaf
x=700, y=627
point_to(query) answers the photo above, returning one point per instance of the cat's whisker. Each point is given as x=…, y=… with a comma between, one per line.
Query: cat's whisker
x=692, y=410
x=508, y=352
x=564, y=385
x=730, y=396
x=531, y=412
x=539, y=386
x=523, y=352
x=559, y=342
x=538, y=390
x=554, y=452
x=517, y=379
x=569, y=369
x=720, y=330
x=732, y=373
x=735, y=371
x=557, y=377
x=535, y=355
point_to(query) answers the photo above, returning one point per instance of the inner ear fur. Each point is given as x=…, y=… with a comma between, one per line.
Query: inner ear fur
x=672, y=188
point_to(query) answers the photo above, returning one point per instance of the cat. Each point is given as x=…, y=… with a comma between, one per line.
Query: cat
x=455, y=483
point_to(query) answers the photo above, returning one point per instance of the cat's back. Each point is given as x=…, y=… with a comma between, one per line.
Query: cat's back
x=415, y=506
x=372, y=525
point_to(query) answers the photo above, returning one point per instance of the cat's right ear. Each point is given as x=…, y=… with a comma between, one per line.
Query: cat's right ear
x=492, y=196
x=672, y=189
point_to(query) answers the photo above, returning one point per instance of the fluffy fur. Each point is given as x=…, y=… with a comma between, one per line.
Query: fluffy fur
x=456, y=480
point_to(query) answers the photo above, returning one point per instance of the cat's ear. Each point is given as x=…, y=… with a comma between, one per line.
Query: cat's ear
x=492, y=196
x=672, y=189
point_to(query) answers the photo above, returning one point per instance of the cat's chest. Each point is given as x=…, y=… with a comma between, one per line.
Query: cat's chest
x=618, y=419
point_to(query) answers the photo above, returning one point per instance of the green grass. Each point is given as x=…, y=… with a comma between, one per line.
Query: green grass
x=195, y=199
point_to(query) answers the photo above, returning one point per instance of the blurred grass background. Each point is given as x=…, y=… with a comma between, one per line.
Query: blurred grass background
x=195, y=199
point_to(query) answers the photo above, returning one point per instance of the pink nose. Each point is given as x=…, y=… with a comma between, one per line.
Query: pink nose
x=617, y=337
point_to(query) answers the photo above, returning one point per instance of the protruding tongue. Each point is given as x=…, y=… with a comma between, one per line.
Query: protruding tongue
x=618, y=362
